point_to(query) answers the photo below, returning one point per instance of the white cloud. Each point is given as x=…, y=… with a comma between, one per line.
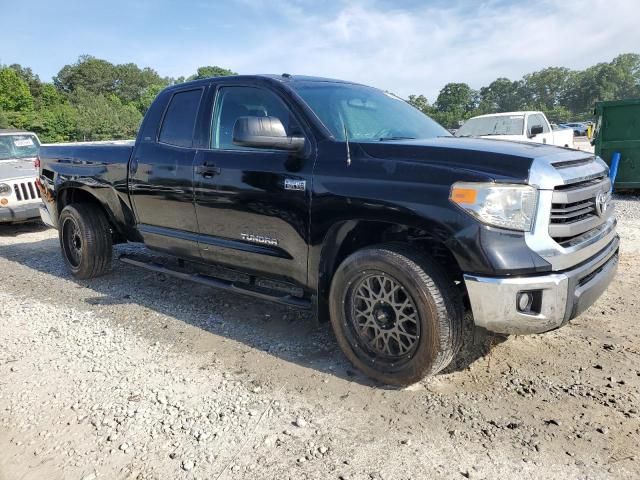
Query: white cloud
x=420, y=49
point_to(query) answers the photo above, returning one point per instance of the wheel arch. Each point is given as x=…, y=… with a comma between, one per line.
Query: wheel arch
x=79, y=193
x=346, y=237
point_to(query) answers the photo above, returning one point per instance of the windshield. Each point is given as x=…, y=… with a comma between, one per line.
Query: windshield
x=494, y=125
x=18, y=146
x=368, y=115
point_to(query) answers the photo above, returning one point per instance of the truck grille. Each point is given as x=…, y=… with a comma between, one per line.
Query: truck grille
x=25, y=191
x=574, y=213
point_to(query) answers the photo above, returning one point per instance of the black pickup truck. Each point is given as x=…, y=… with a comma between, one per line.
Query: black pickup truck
x=344, y=199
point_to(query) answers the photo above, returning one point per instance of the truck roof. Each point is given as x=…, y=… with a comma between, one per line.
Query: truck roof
x=282, y=78
x=523, y=112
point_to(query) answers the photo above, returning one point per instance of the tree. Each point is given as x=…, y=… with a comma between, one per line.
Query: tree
x=32, y=80
x=455, y=97
x=502, y=95
x=14, y=92
x=546, y=89
x=420, y=102
x=58, y=123
x=4, y=120
x=132, y=82
x=104, y=117
x=127, y=81
x=211, y=71
x=148, y=96
x=455, y=102
x=618, y=79
x=88, y=73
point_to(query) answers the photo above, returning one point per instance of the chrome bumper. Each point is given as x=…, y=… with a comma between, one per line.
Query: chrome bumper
x=559, y=296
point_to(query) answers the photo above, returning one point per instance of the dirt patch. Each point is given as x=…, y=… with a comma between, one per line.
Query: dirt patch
x=134, y=375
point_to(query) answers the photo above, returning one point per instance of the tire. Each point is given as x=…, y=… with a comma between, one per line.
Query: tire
x=433, y=314
x=85, y=240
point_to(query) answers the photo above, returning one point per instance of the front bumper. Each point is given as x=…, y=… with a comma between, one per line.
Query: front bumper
x=559, y=296
x=20, y=213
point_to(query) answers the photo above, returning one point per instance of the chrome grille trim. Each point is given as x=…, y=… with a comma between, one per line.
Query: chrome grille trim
x=573, y=209
x=567, y=229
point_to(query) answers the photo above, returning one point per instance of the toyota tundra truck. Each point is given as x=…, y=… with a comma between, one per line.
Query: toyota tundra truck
x=343, y=199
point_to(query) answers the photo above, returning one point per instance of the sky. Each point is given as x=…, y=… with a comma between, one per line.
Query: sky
x=407, y=47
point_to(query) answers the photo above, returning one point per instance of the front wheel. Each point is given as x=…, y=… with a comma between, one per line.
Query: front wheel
x=85, y=239
x=396, y=315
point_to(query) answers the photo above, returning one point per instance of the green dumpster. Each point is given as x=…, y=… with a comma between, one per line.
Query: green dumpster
x=618, y=130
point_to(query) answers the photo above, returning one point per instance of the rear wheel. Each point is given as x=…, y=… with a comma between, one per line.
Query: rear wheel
x=85, y=239
x=396, y=315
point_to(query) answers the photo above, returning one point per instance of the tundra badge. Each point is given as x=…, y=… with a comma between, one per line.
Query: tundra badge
x=249, y=237
x=298, y=185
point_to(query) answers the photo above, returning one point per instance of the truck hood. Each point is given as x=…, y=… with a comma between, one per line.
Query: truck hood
x=498, y=159
x=12, y=169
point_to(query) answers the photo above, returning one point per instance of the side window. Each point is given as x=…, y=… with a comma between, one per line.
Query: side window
x=541, y=121
x=235, y=102
x=180, y=119
x=535, y=120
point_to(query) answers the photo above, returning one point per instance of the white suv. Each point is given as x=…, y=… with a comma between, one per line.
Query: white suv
x=19, y=196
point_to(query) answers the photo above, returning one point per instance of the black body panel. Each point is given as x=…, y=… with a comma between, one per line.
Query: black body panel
x=232, y=207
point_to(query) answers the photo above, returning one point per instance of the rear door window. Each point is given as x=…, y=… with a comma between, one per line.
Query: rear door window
x=180, y=119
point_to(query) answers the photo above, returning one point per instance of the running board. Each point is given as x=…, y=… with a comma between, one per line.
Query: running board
x=257, y=292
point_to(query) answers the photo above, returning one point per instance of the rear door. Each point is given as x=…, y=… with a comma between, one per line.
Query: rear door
x=161, y=179
x=253, y=204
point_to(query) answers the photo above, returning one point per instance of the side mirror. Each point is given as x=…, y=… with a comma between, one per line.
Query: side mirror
x=535, y=130
x=265, y=132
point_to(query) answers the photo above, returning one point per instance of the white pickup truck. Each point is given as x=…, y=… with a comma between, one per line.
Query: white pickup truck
x=19, y=197
x=518, y=126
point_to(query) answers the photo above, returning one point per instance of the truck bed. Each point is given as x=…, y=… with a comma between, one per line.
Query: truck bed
x=105, y=162
x=99, y=168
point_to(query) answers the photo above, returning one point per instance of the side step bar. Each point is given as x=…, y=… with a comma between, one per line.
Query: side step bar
x=257, y=292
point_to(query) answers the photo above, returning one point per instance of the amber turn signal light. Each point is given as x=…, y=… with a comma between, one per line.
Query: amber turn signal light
x=463, y=196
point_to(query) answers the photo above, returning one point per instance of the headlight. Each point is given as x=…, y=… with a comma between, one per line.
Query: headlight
x=5, y=189
x=501, y=205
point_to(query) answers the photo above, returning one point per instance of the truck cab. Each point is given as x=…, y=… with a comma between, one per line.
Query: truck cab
x=529, y=126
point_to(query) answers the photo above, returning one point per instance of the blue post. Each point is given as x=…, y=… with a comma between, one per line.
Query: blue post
x=613, y=170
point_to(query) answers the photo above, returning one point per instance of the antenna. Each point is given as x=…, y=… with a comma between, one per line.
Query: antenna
x=346, y=139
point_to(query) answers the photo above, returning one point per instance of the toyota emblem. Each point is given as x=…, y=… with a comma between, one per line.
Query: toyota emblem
x=602, y=202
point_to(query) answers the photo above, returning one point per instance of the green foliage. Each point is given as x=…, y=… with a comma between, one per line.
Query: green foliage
x=4, y=120
x=104, y=117
x=14, y=92
x=563, y=94
x=93, y=99
x=502, y=95
x=420, y=102
x=211, y=71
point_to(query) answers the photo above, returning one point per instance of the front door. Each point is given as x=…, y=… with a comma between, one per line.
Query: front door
x=161, y=180
x=252, y=204
x=536, y=119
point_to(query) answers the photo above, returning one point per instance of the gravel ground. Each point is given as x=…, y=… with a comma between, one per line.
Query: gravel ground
x=139, y=376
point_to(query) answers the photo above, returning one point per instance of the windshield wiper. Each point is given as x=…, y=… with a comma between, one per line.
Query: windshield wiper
x=384, y=139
